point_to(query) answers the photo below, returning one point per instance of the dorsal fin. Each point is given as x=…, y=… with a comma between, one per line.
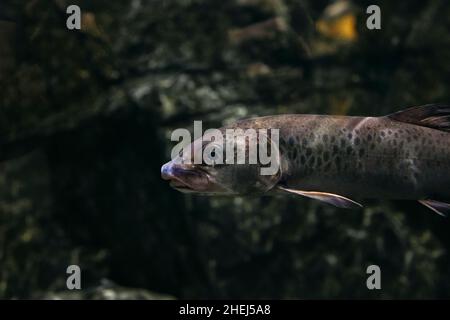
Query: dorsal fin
x=436, y=116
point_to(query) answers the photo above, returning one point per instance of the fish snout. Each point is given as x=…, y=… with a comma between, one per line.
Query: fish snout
x=180, y=178
x=167, y=172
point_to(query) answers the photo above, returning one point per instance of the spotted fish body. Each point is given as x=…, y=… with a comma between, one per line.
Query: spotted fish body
x=361, y=157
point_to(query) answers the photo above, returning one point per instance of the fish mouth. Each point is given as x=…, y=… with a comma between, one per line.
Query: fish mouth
x=185, y=179
x=180, y=186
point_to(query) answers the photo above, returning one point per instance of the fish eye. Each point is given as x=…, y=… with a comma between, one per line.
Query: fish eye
x=212, y=154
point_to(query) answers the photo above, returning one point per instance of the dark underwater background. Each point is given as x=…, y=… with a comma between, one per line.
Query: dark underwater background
x=85, y=123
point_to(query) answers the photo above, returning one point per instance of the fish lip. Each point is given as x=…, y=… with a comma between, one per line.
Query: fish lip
x=176, y=181
x=179, y=185
x=183, y=189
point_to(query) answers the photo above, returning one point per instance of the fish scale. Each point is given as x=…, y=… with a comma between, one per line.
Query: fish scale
x=368, y=157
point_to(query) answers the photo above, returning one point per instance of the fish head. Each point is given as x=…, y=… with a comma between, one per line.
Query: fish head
x=212, y=174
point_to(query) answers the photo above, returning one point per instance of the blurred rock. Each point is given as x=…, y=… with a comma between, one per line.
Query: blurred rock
x=107, y=290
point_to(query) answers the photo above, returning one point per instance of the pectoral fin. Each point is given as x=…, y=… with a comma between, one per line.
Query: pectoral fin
x=334, y=199
x=441, y=208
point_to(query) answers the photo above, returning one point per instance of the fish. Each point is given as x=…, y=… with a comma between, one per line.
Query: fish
x=337, y=159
